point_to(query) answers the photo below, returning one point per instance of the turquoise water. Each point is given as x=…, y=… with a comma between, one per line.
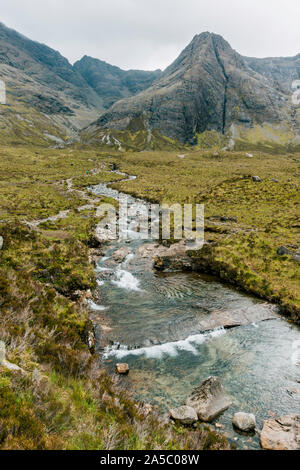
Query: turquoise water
x=157, y=328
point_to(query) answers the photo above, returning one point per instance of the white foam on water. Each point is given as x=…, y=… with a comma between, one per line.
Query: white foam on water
x=171, y=349
x=101, y=269
x=128, y=258
x=96, y=307
x=296, y=352
x=100, y=283
x=125, y=280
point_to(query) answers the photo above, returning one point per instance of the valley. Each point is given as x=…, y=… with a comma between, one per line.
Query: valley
x=101, y=340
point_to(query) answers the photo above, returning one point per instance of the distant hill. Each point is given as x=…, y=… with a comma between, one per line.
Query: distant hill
x=112, y=83
x=49, y=100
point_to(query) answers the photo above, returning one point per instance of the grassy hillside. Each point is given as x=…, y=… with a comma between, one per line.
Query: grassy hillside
x=60, y=398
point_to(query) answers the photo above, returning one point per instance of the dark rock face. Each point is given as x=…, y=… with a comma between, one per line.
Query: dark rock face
x=280, y=71
x=112, y=83
x=208, y=87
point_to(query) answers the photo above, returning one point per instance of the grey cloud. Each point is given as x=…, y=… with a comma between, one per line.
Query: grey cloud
x=149, y=34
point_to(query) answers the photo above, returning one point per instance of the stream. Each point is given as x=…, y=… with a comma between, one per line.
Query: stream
x=156, y=324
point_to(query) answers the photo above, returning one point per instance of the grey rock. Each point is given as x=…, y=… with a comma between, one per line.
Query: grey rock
x=245, y=422
x=1, y=242
x=283, y=250
x=209, y=399
x=256, y=179
x=296, y=258
x=120, y=255
x=281, y=434
x=184, y=415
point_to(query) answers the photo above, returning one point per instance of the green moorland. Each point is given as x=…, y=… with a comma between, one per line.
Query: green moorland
x=245, y=221
x=61, y=399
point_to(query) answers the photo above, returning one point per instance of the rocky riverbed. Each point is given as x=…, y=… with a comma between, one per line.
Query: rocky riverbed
x=174, y=328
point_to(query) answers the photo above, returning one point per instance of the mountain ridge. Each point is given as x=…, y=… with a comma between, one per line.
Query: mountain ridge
x=46, y=95
x=209, y=87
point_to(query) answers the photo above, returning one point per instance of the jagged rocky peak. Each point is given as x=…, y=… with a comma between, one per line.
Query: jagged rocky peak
x=208, y=87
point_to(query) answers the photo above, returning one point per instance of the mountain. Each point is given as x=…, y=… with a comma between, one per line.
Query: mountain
x=209, y=96
x=48, y=99
x=280, y=71
x=112, y=83
x=212, y=88
x=44, y=92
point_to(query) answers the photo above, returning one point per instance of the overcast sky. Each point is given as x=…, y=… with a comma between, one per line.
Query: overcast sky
x=149, y=34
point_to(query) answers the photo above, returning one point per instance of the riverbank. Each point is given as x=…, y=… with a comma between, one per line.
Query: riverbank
x=251, y=224
x=175, y=327
x=58, y=398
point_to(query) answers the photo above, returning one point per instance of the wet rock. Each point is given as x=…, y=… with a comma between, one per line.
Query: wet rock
x=1, y=242
x=120, y=255
x=245, y=422
x=209, y=399
x=184, y=414
x=256, y=179
x=211, y=320
x=283, y=250
x=122, y=369
x=281, y=434
x=172, y=264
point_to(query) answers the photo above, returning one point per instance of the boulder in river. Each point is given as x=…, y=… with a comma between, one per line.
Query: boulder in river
x=122, y=369
x=244, y=422
x=120, y=255
x=281, y=434
x=184, y=414
x=209, y=399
